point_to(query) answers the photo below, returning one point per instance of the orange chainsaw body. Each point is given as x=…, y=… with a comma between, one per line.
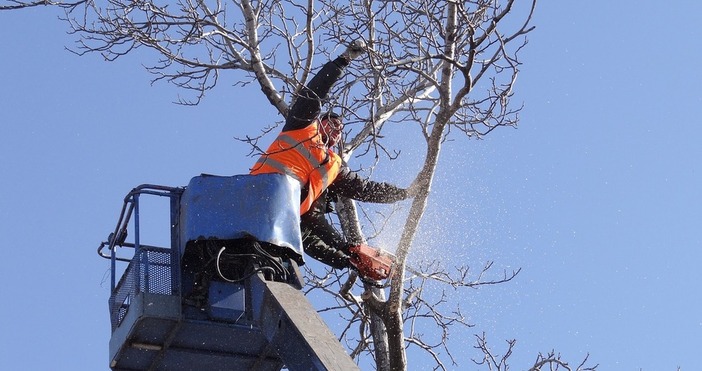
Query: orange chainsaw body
x=372, y=263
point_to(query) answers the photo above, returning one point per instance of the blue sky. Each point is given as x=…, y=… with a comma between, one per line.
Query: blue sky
x=595, y=196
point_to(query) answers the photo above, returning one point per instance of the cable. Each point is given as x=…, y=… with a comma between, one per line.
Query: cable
x=265, y=261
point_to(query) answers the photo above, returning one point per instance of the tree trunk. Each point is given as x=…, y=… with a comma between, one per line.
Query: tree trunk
x=352, y=229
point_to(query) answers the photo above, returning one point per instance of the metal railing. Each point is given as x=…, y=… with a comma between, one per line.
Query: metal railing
x=151, y=269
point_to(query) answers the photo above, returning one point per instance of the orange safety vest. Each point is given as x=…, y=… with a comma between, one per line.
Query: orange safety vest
x=301, y=154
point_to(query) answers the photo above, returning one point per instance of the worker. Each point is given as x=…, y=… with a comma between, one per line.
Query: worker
x=304, y=151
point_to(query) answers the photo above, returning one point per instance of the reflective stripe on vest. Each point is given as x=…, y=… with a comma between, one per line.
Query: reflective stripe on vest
x=280, y=167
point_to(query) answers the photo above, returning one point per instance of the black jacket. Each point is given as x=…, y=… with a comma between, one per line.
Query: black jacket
x=308, y=105
x=320, y=239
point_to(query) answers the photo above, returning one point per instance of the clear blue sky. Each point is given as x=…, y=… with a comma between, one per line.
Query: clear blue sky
x=596, y=196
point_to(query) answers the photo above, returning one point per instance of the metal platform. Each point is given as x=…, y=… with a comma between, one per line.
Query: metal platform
x=252, y=324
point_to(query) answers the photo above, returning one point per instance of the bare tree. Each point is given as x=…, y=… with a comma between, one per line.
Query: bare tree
x=440, y=68
x=551, y=360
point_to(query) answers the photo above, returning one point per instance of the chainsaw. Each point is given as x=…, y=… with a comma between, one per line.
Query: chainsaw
x=372, y=263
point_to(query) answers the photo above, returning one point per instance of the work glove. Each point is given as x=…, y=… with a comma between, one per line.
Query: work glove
x=354, y=50
x=419, y=183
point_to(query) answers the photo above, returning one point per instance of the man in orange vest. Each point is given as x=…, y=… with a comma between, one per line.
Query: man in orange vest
x=303, y=150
